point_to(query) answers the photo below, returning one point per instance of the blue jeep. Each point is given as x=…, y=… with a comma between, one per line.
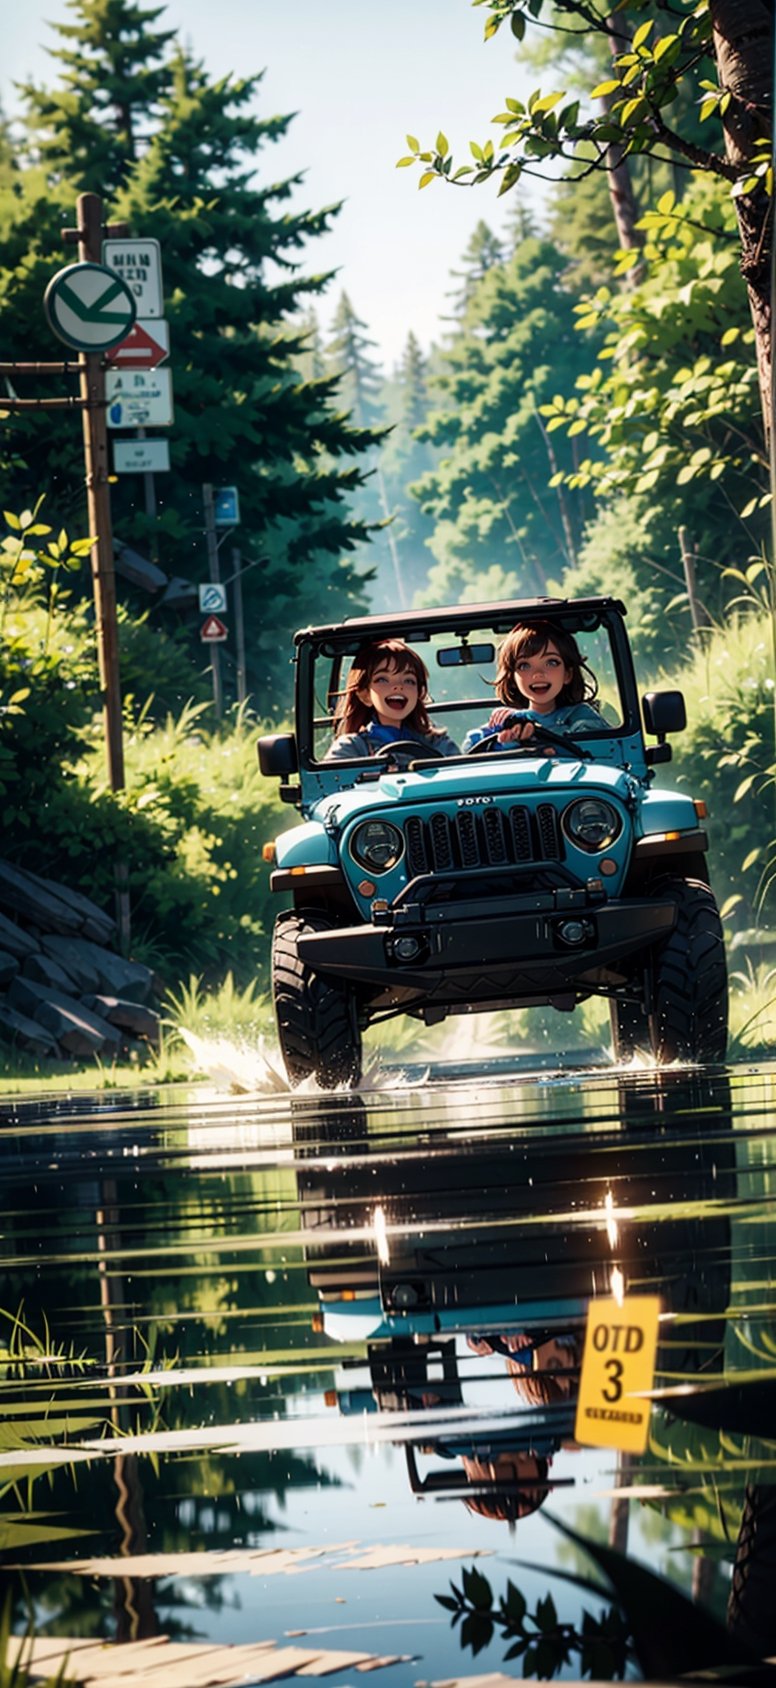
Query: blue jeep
x=435, y=886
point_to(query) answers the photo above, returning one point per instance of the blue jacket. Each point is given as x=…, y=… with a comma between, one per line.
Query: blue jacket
x=374, y=737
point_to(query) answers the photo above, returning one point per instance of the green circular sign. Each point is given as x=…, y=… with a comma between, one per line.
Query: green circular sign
x=89, y=307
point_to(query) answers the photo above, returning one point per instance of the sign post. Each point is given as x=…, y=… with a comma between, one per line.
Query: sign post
x=215, y=576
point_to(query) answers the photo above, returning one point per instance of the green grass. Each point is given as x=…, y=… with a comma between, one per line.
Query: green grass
x=244, y=1019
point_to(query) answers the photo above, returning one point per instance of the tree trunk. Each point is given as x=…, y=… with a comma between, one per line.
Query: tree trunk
x=743, y=47
x=623, y=199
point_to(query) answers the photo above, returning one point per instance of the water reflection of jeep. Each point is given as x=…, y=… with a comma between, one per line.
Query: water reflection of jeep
x=516, y=1232
x=436, y=886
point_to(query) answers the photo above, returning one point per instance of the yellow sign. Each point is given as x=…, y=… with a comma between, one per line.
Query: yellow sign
x=617, y=1365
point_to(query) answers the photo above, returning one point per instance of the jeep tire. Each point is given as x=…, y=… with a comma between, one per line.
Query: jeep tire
x=689, y=1021
x=316, y=1016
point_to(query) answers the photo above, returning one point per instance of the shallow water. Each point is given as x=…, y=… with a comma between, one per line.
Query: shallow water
x=258, y=1374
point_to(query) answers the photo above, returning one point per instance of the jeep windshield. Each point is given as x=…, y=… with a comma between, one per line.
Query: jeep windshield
x=460, y=653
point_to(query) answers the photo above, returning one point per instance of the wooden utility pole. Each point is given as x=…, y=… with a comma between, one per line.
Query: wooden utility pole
x=239, y=625
x=88, y=234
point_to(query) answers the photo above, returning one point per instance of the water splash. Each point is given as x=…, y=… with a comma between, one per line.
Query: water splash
x=247, y=1069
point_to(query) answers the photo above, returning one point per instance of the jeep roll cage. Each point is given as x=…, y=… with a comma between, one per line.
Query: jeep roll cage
x=343, y=639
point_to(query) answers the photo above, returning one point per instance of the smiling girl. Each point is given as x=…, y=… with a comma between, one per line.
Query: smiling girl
x=384, y=702
x=541, y=676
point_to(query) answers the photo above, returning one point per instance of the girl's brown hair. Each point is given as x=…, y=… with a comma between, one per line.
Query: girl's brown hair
x=530, y=640
x=352, y=715
x=510, y=1502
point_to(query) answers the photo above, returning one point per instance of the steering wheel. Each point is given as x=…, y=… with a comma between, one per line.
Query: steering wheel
x=545, y=735
x=408, y=747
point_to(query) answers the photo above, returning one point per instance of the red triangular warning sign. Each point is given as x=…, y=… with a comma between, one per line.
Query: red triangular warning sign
x=213, y=629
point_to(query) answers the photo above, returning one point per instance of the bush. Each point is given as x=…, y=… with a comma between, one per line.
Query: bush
x=728, y=687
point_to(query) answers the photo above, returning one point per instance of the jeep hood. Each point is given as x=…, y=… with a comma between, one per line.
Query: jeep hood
x=439, y=783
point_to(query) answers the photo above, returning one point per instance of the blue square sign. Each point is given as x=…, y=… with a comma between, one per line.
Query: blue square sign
x=226, y=506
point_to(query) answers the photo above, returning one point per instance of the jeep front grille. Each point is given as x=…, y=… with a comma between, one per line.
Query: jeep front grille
x=482, y=837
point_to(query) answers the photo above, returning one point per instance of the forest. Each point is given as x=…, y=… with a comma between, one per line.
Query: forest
x=593, y=417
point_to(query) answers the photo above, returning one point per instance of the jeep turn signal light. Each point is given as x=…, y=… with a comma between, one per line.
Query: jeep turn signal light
x=268, y=853
x=700, y=808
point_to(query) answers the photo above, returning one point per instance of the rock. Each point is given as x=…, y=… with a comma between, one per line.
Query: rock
x=46, y=972
x=25, y=1034
x=108, y=973
x=69, y=955
x=54, y=952
x=23, y=895
x=132, y=1017
x=93, y=921
x=15, y=939
x=75, y=1028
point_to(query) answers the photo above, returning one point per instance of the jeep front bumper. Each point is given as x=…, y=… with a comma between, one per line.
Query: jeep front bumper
x=534, y=945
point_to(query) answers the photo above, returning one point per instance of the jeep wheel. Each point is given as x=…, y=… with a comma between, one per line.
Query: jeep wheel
x=316, y=1018
x=689, y=981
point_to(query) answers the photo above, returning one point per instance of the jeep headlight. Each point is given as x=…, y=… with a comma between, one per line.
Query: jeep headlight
x=377, y=845
x=591, y=823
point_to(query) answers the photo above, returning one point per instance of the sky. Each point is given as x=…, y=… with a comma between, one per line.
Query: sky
x=360, y=76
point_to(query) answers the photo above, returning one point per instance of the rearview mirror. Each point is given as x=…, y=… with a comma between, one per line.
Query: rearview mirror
x=465, y=656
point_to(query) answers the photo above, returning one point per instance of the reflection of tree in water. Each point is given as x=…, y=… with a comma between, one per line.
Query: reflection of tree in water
x=110, y=1237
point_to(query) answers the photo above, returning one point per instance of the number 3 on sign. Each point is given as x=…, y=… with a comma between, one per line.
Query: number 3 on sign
x=618, y=1366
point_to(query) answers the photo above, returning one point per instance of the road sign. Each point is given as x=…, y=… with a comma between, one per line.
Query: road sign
x=618, y=1367
x=139, y=398
x=141, y=457
x=139, y=263
x=226, y=506
x=89, y=307
x=213, y=631
x=146, y=346
x=212, y=598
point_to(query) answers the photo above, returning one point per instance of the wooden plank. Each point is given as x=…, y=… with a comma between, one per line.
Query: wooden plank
x=160, y=1663
x=329, y=1662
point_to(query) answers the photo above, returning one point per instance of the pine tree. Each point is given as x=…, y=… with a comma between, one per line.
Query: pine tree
x=176, y=155
x=483, y=251
x=360, y=385
x=349, y=353
x=405, y=459
x=499, y=528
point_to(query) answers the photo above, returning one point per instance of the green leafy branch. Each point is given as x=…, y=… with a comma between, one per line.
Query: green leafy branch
x=539, y=1638
x=642, y=83
x=650, y=1622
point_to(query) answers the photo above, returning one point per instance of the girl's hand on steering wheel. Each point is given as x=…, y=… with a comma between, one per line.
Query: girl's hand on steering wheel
x=519, y=730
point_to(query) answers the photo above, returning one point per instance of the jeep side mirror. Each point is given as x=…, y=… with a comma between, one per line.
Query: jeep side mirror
x=664, y=712
x=277, y=754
